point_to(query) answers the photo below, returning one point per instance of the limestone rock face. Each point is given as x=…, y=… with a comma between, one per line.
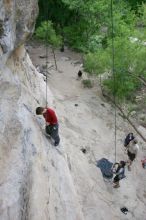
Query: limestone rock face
x=17, y=20
x=35, y=180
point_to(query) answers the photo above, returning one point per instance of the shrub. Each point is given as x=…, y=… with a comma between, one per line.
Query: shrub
x=87, y=83
x=46, y=33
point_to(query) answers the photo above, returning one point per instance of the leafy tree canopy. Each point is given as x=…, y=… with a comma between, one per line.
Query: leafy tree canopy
x=86, y=25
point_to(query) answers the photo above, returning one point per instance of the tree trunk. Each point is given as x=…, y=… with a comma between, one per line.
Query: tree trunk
x=120, y=109
x=53, y=51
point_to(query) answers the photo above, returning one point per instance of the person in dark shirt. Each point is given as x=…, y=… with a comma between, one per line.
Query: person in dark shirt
x=52, y=125
x=80, y=74
x=128, y=138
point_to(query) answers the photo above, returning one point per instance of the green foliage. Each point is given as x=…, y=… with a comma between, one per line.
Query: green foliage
x=123, y=20
x=129, y=64
x=95, y=42
x=136, y=3
x=87, y=83
x=141, y=19
x=46, y=33
x=75, y=38
x=97, y=63
x=54, y=10
x=85, y=25
x=139, y=65
x=122, y=85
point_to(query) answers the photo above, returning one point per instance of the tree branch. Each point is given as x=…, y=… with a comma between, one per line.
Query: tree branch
x=120, y=109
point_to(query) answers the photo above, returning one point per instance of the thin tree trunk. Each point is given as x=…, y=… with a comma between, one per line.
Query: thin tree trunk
x=53, y=51
x=101, y=87
x=130, y=122
x=140, y=78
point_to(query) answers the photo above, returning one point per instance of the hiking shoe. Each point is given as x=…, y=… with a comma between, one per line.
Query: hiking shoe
x=124, y=210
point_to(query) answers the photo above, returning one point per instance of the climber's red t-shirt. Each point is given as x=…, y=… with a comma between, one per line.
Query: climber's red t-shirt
x=50, y=116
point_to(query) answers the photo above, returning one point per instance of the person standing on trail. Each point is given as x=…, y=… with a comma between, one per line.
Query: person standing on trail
x=52, y=125
x=80, y=74
x=132, y=150
x=119, y=170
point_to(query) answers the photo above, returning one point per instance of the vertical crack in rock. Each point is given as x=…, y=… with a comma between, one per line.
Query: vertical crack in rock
x=25, y=194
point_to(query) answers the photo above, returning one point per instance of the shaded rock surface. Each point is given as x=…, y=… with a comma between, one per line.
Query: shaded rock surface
x=17, y=20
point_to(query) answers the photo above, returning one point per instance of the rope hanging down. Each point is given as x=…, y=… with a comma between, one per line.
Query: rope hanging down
x=114, y=77
x=46, y=44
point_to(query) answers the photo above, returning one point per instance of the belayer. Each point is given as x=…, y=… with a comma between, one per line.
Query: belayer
x=132, y=151
x=119, y=171
x=52, y=126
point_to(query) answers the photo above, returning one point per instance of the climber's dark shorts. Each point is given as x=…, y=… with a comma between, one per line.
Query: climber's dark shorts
x=52, y=130
x=131, y=156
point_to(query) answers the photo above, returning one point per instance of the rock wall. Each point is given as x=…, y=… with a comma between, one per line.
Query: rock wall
x=17, y=21
x=35, y=181
x=31, y=171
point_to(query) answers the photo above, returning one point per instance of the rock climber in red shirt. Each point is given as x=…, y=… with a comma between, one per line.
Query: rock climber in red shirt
x=51, y=122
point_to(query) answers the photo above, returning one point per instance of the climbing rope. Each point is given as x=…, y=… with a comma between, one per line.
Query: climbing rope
x=114, y=77
x=46, y=46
